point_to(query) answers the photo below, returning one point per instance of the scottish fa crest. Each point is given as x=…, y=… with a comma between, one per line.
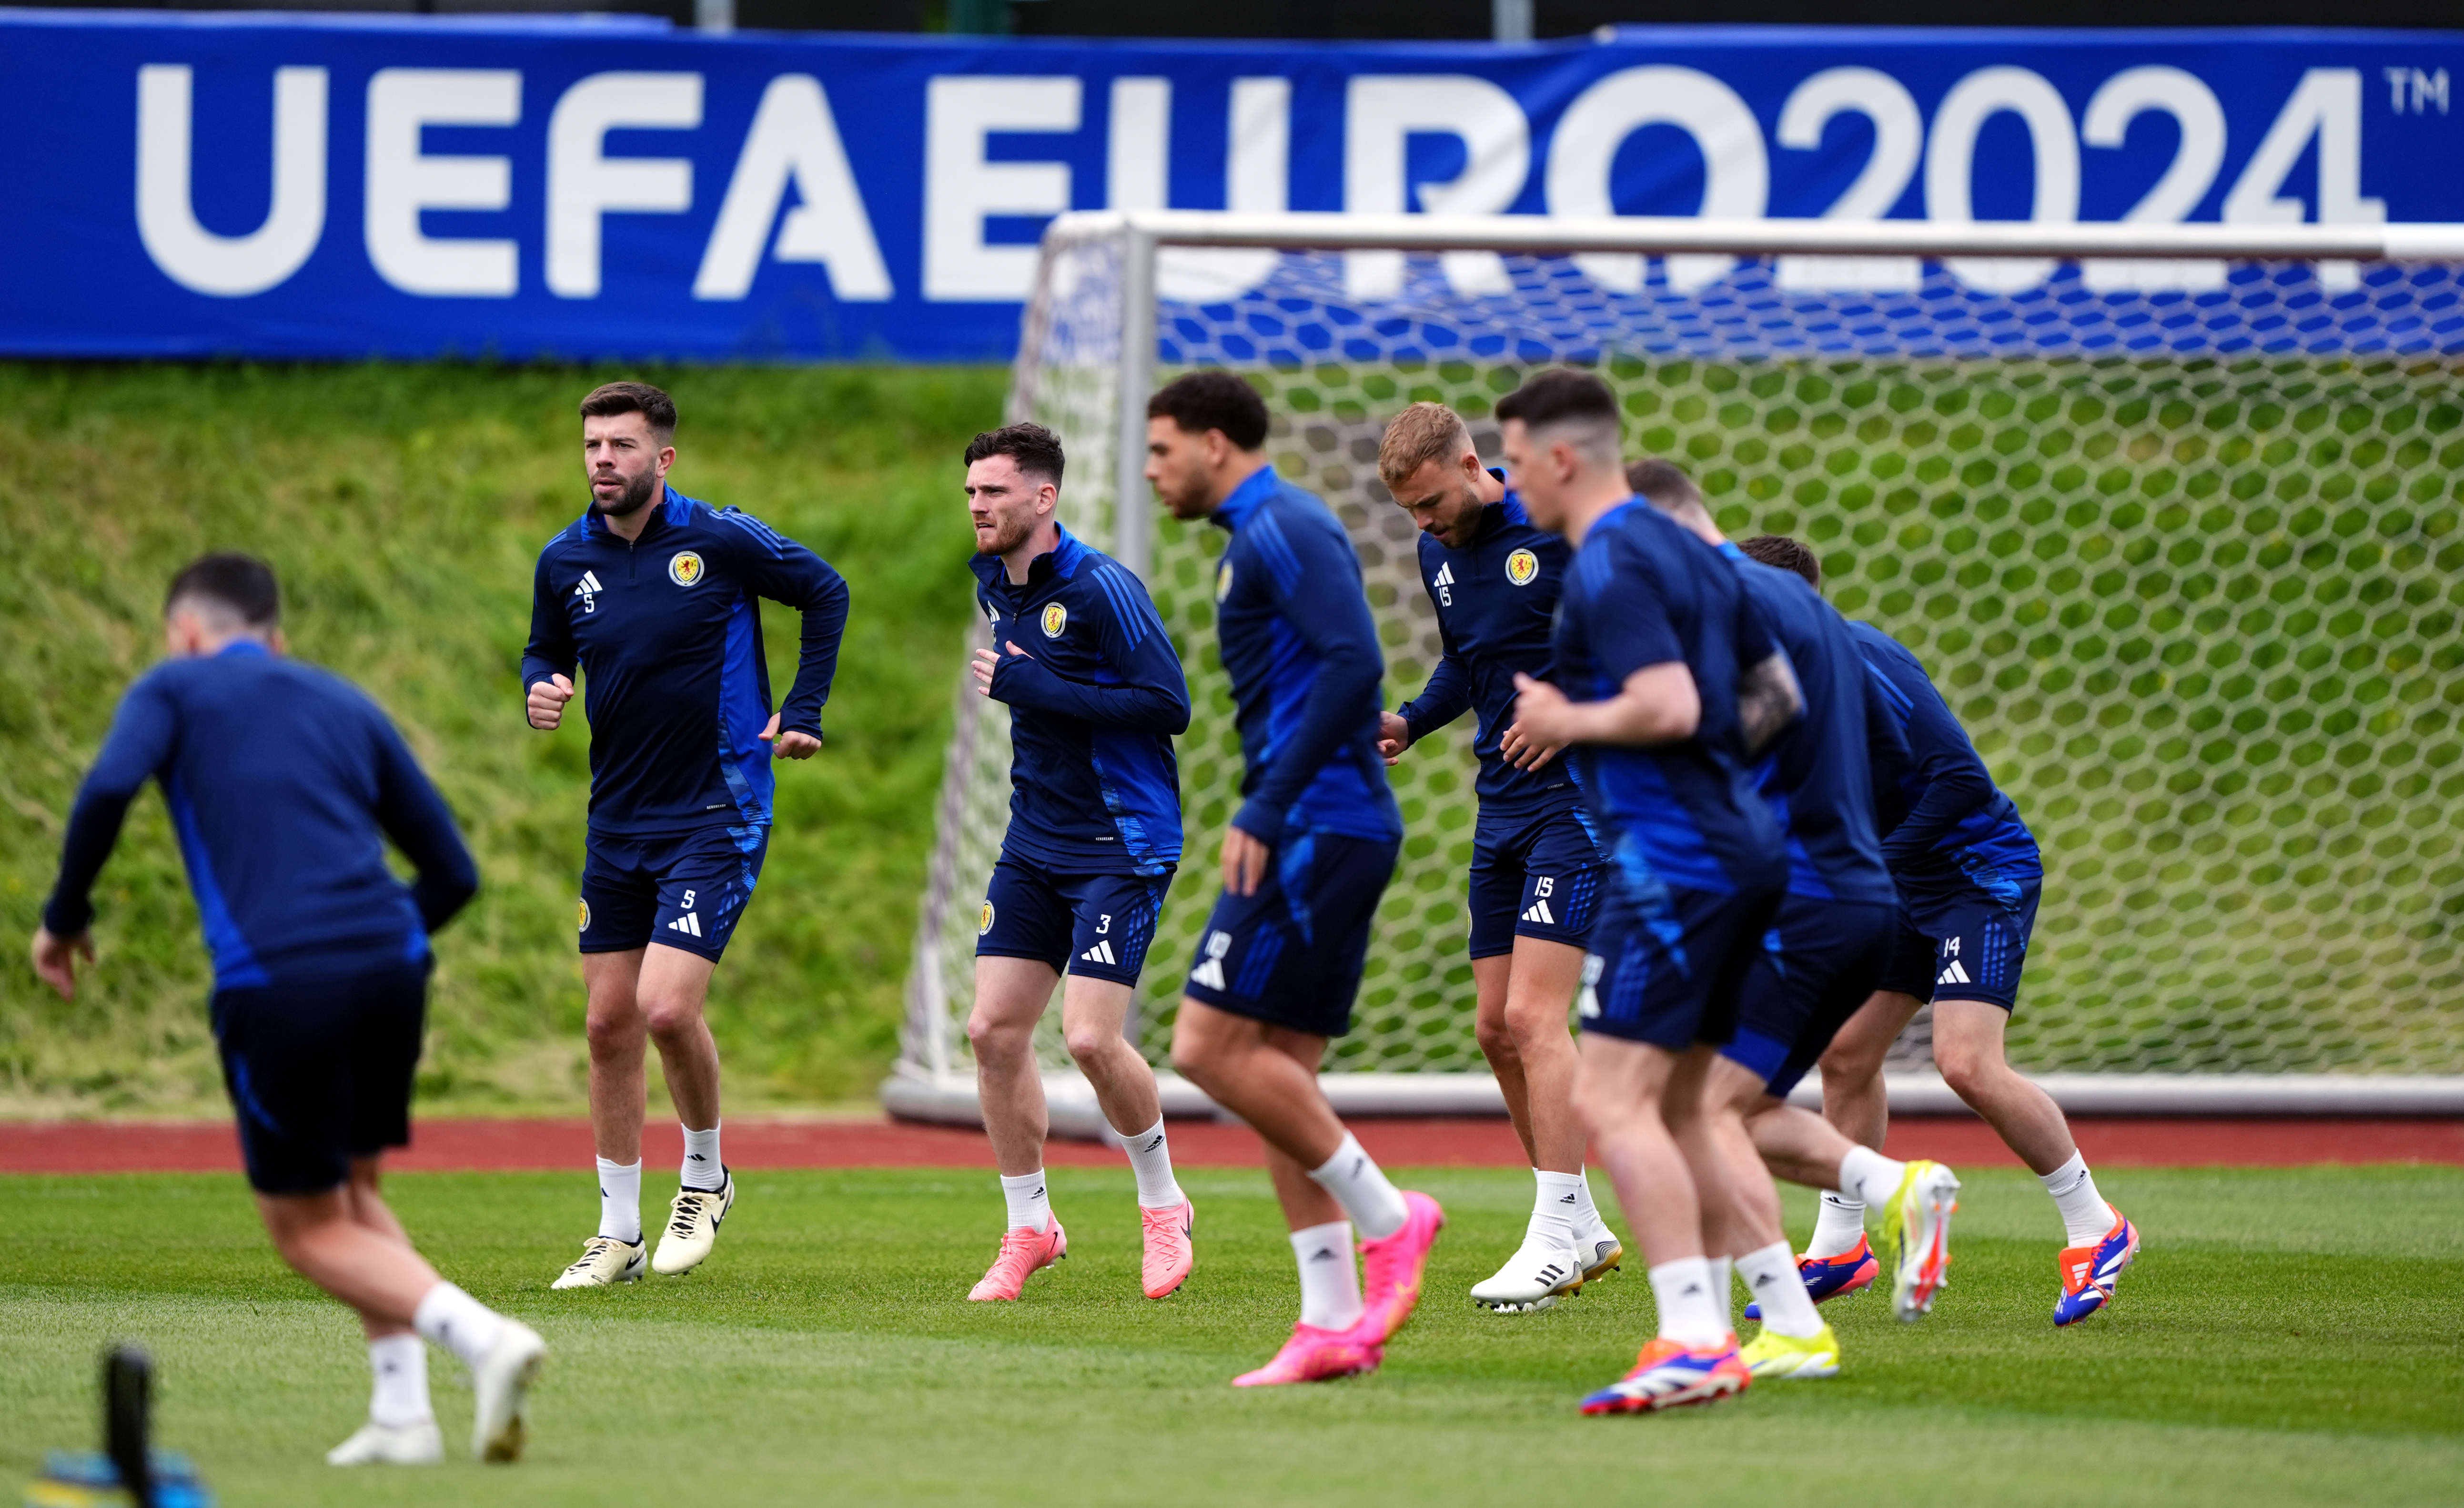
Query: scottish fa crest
x=683, y=569
x=1056, y=619
x=1224, y=581
x=1521, y=567
x=984, y=922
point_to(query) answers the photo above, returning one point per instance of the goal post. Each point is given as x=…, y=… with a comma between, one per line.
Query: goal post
x=2171, y=513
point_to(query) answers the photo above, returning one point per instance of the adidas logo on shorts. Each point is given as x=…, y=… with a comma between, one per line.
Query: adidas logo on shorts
x=1100, y=953
x=1954, y=975
x=689, y=924
x=1540, y=912
x=1209, y=971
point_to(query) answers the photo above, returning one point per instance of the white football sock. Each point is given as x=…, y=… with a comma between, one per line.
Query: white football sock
x=1868, y=1177
x=1688, y=1313
x=1375, y=1205
x=1589, y=1226
x=1839, y=1224
x=1029, y=1205
x=459, y=1323
x=1330, y=1281
x=703, y=1169
x=2086, y=1215
x=1556, y=1210
x=1724, y=1292
x=400, y=1362
x=1771, y=1275
x=1150, y=1159
x=620, y=1200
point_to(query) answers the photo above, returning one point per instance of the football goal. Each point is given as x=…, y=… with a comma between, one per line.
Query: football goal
x=2171, y=512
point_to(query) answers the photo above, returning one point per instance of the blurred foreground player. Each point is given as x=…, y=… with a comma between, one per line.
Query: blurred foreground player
x=1968, y=876
x=1536, y=866
x=1827, y=945
x=1304, y=862
x=1095, y=695
x=1667, y=682
x=283, y=781
x=654, y=595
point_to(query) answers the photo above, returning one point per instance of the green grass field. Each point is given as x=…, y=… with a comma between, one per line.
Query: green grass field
x=2285, y=1337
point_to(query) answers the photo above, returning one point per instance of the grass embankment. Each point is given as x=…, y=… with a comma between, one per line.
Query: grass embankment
x=404, y=508
x=2286, y=1336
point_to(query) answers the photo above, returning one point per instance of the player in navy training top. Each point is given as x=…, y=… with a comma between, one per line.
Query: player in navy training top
x=283, y=782
x=655, y=595
x=1826, y=946
x=1969, y=878
x=1536, y=865
x=1095, y=695
x=1304, y=862
x=1666, y=682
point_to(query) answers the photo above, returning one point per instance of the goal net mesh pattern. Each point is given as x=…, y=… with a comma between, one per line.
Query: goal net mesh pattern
x=2186, y=562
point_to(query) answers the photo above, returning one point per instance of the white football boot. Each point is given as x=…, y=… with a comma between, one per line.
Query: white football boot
x=420, y=1444
x=1601, y=1251
x=1531, y=1278
x=502, y=1384
x=693, y=1227
x=606, y=1262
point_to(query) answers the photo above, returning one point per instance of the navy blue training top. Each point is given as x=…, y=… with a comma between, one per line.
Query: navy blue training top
x=1094, y=703
x=283, y=782
x=1300, y=648
x=668, y=628
x=1939, y=813
x=1497, y=609
x=1817, y=774
x=1644, y=591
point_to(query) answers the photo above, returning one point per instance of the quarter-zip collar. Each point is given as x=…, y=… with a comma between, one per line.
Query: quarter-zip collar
x=1061, y=562
x=1247, y=499
x=673, y=509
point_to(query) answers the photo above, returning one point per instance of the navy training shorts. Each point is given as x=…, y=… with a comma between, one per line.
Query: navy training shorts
x=1962, y=941
x=1534, y=874
x=1291, y=955
x=1098, y=925
x=319, y=1070
x=1818, y=964
x=686, y=891
x=1668, y=963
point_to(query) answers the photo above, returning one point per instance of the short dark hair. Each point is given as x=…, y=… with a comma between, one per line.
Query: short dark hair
x=1663, y=482
x=228, y=585
x=1556, y=395
x=656, y=409
x=1033, y=448
x=1213, y=400
x=1778, y=550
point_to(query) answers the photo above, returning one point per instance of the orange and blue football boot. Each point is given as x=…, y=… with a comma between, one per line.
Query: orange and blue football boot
x=1671, y=1375
x=2090, y=1272
x=1829, y=1277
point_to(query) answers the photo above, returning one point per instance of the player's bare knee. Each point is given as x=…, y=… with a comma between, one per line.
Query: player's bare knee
x=671, y=1021
x=1497, y=1039
x=1968, y=1071
x=1091, y=1046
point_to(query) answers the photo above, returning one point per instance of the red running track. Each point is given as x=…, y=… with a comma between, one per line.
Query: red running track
x=853, y=1142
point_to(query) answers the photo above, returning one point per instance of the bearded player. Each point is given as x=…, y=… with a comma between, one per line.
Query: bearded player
x=1968, y=876
x=1305, y=860
x=1095, y=695
x=653, y=595
x=1536, y=866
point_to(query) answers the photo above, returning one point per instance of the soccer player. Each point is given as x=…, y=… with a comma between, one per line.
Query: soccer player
x=1094, y=834
x=1826, y=947
x=1304, y=862
x=653, y=594
x=283, y=782
x=1670, y=683
x=1969, y=878
x=1536, y=865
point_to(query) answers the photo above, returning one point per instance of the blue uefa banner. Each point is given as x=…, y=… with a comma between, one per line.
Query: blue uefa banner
x=335, y=188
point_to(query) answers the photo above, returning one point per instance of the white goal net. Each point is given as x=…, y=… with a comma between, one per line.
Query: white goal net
x=2171, y=512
